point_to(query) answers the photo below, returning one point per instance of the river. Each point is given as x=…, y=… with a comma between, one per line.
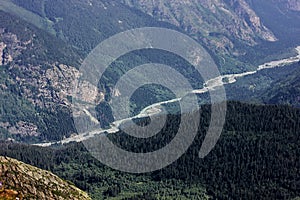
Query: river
x=155, y=108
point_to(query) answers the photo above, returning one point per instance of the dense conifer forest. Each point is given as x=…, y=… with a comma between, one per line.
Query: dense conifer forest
x=257, y=157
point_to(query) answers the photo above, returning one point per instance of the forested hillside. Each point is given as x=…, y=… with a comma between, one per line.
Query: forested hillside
x=255, y=158
x=54, y=62
x=235, y=46
x=36, y=71
x=271, y=86
x=44, y=42
x=84, y=24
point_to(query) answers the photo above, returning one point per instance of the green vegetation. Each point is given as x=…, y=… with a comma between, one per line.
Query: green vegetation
x=46, y=48
x=101, y=20
x=14, y=105
x=271, y=86
x=40, y=22
x=286, y=90
x=255, y=158
x=14, y=108
x=98, y=26
x=85, y=26
x=150, y=93
x=74, y=163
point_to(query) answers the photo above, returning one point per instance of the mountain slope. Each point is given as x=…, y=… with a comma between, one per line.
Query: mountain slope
x=86, y=23
x=224, y=26
x=36, y=71
x=286, y=90
x=27, y=182
x=282, y=17
x=74, y=163
x=39, y=67
x=256, y=157
x=227, y=28
x=226, y=18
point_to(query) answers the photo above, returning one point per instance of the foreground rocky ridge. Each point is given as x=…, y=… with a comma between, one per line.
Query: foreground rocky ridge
x=25, y=181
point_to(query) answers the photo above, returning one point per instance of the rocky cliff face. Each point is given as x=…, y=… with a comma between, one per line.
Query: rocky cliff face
x=9, y=46
x=219, y=22
x=42, y=83
x=19, y=180
x=38, y=68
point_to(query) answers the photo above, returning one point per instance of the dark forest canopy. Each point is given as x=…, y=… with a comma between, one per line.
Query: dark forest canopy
x=257, y=157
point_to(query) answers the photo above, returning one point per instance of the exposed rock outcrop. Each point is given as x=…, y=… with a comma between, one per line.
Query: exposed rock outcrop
x=19, y=180
x=219, y=21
